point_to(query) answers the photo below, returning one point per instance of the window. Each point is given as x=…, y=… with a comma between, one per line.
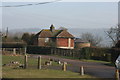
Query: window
x=46, y=39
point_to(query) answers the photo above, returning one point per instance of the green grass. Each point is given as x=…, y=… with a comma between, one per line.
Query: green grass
x=7, y=59
x=20, y=59
x=10, y=72
x=94, y=61
x=34, y=73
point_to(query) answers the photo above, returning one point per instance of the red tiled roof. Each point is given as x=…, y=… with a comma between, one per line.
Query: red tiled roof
x=45, y=33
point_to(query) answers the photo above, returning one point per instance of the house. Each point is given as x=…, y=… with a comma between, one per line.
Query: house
x=79, y=43
x=54, y=38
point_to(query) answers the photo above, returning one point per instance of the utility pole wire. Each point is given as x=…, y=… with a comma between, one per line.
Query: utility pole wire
x=30, y=4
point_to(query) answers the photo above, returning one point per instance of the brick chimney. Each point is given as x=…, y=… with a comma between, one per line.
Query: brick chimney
x=52, y=28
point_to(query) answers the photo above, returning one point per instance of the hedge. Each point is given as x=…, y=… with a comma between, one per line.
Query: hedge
x=96, y=53
x=31, y=49
x=13, y=45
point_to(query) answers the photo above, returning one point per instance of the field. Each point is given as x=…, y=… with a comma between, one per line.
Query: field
x=32, y=71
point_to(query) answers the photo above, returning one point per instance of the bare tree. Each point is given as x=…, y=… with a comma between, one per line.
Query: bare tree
x=114, y=34
x=94, y=40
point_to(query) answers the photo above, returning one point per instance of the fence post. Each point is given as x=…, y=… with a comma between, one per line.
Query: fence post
x=19, y=50
x=14, y=51
x=39, y=62
x=54, y=51
x=117, y=74
x=60, y=53
x=81, y=70
x=3, y=49
x=25, y=50
x=25, y=62
x=73, y=53
x=51, y=50
x=64, y=67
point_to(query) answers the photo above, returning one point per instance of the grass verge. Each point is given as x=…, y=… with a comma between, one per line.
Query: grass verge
x=34, y=73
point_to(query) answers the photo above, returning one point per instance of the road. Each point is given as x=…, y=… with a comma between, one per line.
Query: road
x=97, y=69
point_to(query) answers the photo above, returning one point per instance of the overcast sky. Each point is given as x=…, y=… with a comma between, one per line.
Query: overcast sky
x=65, y=14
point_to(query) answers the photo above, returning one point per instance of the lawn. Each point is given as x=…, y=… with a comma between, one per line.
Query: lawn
x=11, y=72
x=34, y=73
x=32, y=61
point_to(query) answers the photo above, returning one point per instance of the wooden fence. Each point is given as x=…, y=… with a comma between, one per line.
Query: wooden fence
x=13, y=48
x=66, y=52
x=13, y=51
x=84, y=53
